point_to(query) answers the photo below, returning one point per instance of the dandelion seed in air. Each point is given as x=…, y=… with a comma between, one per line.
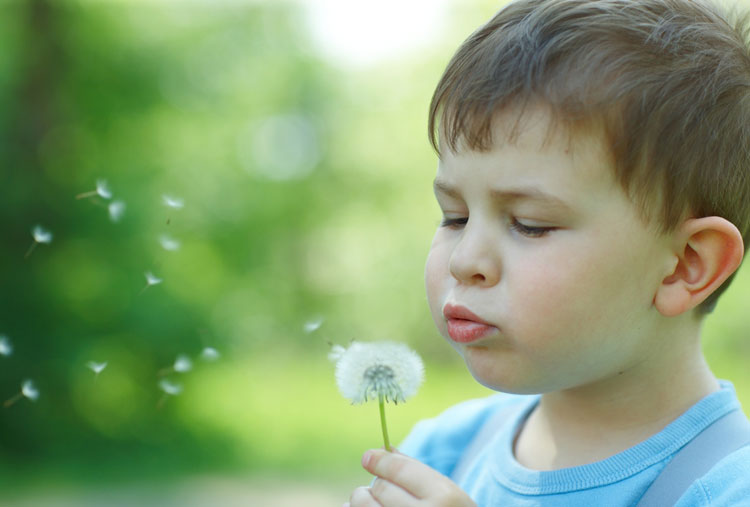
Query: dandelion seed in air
x=6, y=347
x=116, y=210
x=386, y=371
x=40, y=235
x=151, y=279
x=210, y=354
x=172, y=202
x=102, y=190
x=313, y=325
x=168, y=243
x=182, y=364
x=28, y=390
x=96, y=367
x=169, y=388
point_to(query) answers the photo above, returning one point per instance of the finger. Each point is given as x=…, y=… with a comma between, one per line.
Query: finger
x=411, y=475
x=361, y=497
x=388, y=494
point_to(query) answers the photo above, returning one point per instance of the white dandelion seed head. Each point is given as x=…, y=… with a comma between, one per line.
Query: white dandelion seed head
x=369, y=370
x=171, y=388
x=6, y=347
x=210, y=354
x=116, y=210
x=102, y=189
x=29, y=390
x=152, y=279
x=172, y=202
x=96, y=367
x=336, y=353
x=182, y=364
x=313, y=325
x=168, y=243
x=41, y=235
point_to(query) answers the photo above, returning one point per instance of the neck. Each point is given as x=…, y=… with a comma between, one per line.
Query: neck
x=589, y=423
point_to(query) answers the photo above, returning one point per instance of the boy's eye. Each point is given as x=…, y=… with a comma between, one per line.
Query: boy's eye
x=531, y=231
x=454, y=222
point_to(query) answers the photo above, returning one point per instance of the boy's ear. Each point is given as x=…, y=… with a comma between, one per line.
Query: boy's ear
x=707, y=250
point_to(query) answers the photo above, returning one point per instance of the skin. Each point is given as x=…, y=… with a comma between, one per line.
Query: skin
x=587, y=303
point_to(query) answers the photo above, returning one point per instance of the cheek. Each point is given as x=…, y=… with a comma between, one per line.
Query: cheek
x=436, y=277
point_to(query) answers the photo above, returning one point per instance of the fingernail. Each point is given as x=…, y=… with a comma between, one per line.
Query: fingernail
x=366, y=457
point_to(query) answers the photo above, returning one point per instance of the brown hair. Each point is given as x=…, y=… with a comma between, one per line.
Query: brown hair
x=666, y=81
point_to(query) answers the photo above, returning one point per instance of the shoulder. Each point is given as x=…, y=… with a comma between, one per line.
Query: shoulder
x=726, y=484
x=439, y=442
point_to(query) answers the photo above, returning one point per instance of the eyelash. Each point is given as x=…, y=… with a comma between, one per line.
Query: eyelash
x=515, y=225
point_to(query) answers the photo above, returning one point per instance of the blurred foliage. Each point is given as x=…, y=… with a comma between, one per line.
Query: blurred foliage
x=307, y=193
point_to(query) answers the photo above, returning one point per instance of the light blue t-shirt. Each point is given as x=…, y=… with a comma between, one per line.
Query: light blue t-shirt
x=495, y=478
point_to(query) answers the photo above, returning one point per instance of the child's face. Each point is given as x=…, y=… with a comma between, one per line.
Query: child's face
x=544, y=248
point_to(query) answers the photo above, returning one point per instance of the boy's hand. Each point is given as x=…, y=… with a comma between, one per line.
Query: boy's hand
x=403, y=482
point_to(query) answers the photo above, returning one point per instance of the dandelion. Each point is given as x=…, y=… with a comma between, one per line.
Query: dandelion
x=102, y=190
x=170, y=389
x=168, y=243
x=96, y=367
x=116, y=210
x=181, y=365
x=386, y=371
x=28, y=390
x=40, y=235
x=313, y=325
x=210, y=354
x=6, y=347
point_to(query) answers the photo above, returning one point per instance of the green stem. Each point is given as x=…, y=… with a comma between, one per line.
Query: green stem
x=386, y=441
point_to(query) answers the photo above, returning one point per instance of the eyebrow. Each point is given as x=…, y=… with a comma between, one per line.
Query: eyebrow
x=511, y=194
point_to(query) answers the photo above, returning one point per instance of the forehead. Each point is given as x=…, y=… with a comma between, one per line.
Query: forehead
x=534, y=144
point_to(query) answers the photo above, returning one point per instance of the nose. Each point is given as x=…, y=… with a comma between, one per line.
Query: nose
x=475, y=259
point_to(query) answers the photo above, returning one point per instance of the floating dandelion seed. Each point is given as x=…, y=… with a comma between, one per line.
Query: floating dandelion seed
x=102, y=190
x=168, y=243
x=172, y=202
x=151, y=279
x=170, y=389
x=28, y=390
x=116, y=210
x=313, y=325
x=210, y=354
x=386, y=371
x=40, y=235
x=6, y=347
x=96, y=367
x=182, y=364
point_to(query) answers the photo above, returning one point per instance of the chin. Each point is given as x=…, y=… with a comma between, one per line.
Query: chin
x=490, y=373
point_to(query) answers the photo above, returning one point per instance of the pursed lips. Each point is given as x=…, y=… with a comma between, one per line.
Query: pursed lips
x=464, y=326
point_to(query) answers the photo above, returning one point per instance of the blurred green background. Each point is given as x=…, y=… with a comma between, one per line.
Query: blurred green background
x=295, y=134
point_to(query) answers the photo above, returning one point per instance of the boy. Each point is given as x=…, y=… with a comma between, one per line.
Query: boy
x=594, y=179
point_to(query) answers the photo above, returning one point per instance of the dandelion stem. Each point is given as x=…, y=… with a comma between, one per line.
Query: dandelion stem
x=162, y=400
x=165, y=371
x=383, y=425
x=12, y=400
x=86, y=194
x=31, y=249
